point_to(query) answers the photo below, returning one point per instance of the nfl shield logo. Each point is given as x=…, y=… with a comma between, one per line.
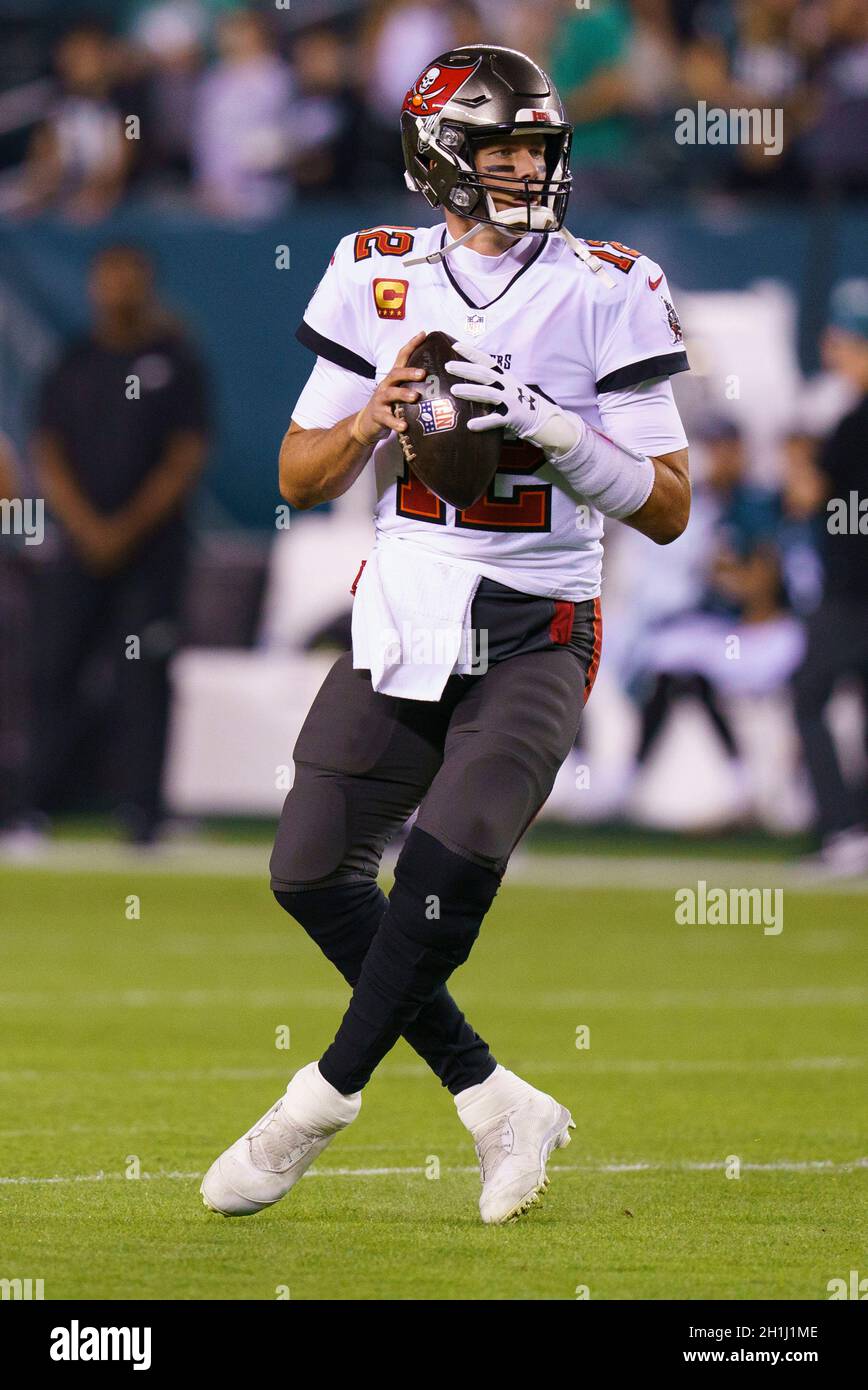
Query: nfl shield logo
x=474, y=324
x=437, y=415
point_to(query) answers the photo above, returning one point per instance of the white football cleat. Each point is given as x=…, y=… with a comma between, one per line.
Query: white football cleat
x=515, y=1128
x=261, y=1167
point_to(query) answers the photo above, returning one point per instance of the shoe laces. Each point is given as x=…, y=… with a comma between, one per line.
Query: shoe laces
x=279, y=1143
x=493, y=1146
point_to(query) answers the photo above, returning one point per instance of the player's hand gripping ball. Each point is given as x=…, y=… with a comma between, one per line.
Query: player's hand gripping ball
x=449, y=458
x=523, y=412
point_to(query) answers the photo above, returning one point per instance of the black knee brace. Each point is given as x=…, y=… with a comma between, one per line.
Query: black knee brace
x=436, y=906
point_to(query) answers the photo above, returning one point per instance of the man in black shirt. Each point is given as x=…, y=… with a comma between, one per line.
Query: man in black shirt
x=15, y=642
x=838, y=631
x=120, y=445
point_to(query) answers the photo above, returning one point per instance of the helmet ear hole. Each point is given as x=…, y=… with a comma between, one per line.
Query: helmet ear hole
x=451, y=138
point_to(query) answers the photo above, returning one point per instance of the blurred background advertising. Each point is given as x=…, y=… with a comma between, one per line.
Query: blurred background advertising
x=174, y=175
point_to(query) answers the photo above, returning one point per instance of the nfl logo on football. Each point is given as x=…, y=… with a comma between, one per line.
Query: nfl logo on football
x=437, y=415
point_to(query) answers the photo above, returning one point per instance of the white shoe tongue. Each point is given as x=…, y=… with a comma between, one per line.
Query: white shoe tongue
x=279, y=1146
x=493, y=1147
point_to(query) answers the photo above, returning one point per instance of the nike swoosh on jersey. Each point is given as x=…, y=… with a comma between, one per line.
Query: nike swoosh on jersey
x=652, y=284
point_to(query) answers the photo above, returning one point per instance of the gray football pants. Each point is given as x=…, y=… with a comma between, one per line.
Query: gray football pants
x=479, y=764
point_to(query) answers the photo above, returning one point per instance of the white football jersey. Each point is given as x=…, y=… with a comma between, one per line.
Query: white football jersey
x=552, y=322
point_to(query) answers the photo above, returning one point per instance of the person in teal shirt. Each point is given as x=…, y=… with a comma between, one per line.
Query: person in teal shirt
x=587, y=65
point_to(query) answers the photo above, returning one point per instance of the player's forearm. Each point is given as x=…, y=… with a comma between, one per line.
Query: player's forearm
x=319, y=465
x=664, y=516
x=652, y=494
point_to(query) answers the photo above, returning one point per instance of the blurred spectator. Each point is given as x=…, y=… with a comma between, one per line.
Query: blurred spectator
x=707, y=657
x=766, y=56
x=656, y=88
x=623, y=67
x=325, y=115
x=653, y=61
x=799, y=533
x=837, y=145
x=121, y=442
x=739, y=638
x=78, y=158
x=168, y=39
x=838, y=631
x=752, y=54
x=397, y=40
x=14, y=645
x=736, y=516
x=588, y=65
x=8, y=472
x=241, y=128
x=522, y=24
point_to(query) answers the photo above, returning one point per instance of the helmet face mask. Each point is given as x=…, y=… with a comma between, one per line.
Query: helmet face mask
x=473, y=96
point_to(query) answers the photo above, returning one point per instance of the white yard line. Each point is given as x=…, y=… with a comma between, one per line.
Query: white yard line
x=764, y=997
x=582, y=1065
x=568, y=870
x=642, y=1066
x=818, y=1166
x=663, y=871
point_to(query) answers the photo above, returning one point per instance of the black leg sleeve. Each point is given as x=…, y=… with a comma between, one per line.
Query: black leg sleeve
x=433, y=917
x=343, y=919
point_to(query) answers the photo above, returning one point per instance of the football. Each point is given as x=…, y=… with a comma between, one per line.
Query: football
x=453, y=462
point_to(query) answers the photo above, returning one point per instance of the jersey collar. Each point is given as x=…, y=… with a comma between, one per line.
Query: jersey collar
x=521, y=270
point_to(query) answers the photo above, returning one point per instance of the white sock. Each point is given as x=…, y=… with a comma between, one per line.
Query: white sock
x=314, y=1103
x=492, y=1097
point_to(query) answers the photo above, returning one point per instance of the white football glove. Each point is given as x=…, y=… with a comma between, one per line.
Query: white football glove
x=616, y=479
x=518, y=409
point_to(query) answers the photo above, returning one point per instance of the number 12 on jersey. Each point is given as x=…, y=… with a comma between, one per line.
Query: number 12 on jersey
x=527, y=508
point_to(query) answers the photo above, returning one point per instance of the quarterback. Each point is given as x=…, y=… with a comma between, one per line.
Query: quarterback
x=568, y=346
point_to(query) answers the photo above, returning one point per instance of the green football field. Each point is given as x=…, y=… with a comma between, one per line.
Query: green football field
x=136, y=1048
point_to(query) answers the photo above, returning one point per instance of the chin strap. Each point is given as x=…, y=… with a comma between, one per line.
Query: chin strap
x=434, y=256
x=587, y=257
x=540, y=220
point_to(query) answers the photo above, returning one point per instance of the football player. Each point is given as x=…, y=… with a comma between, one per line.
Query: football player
x=571, y=345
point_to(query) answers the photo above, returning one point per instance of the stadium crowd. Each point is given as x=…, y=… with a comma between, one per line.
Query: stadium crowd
x=241, y=108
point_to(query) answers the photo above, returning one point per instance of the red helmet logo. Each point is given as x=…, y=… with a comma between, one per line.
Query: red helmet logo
x=434, y=88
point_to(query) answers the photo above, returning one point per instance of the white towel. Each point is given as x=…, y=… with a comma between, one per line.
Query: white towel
x=411, y=620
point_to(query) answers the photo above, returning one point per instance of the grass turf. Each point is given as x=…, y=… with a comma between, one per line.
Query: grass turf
x=151, y=1042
